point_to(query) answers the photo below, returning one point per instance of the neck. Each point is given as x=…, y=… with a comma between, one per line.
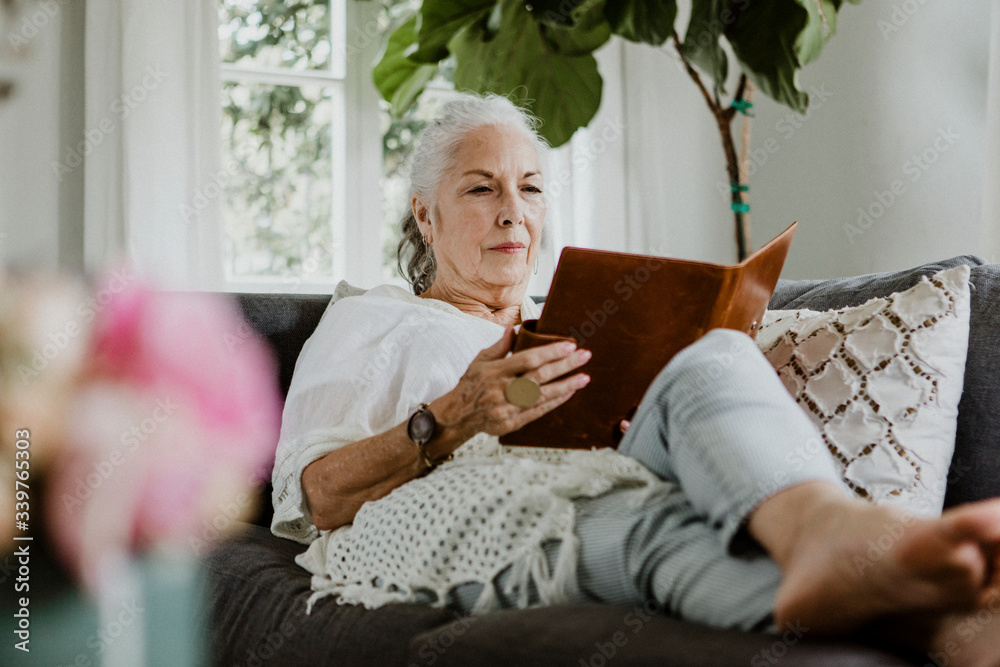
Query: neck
x=505, y=311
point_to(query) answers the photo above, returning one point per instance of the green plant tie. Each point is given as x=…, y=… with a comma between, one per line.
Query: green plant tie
x=743, y=106
x=736, y=187
x=740, y=207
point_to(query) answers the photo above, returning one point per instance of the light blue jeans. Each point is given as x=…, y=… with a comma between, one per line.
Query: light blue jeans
x=719, y=425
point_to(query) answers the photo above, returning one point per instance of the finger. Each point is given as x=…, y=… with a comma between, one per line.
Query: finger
x=560, y=367
x=624, y=425
x=989, y=594
x=555, y=394
x=556, y=397
x=533, y=358
x=499, y=349
x=977, y=522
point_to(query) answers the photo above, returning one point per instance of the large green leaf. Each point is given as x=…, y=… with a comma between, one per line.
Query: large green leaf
x=398, y=79
x=559, y=13
x=587, y=32
x=821, y=26
x=648, y=21
x=764, y=38
x=564, y=91
x=701, y=43
x=438, y=21
x=775, y=39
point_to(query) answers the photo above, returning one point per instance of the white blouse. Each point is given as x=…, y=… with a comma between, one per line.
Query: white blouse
x=374, y=357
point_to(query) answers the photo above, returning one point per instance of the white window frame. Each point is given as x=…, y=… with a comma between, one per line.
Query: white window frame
x=356, y=150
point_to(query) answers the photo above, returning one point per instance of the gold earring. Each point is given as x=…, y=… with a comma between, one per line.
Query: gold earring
x=427, y=266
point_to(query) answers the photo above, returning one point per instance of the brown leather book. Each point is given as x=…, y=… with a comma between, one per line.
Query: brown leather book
x=634, y=313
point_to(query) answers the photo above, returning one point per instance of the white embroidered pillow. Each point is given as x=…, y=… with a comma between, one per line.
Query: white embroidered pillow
x=882, y=382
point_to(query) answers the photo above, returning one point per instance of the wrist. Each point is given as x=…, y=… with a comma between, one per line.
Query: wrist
x=450, y=432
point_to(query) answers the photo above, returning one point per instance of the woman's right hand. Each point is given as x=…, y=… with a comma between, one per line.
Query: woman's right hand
x=479, y=402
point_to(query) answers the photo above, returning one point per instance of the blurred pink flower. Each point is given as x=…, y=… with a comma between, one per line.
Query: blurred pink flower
x=178, y=415
x=196, y=342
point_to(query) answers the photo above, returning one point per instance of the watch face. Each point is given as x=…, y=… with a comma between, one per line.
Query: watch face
x=421, y=427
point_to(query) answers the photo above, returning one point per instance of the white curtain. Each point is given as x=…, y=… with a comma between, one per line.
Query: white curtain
x=585, y=180
x=991, y=179
x=153, y=179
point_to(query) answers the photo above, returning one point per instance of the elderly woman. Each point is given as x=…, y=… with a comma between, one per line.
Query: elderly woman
x=390, y=467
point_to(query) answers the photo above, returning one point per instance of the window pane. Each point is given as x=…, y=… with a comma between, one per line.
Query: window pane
x=280, y=204
x=273, y=33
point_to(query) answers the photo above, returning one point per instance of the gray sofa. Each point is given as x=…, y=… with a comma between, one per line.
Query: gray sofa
x=258, y=593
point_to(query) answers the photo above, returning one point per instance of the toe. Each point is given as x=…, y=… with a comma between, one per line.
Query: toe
x=977, y=521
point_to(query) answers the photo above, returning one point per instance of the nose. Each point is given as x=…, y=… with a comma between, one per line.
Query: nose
x=510, y=213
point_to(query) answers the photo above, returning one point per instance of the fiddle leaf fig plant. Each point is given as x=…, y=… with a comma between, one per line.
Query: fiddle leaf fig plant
x=540, y=53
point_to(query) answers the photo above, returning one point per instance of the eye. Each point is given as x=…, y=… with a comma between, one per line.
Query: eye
x=480, y=189
x=534, y=189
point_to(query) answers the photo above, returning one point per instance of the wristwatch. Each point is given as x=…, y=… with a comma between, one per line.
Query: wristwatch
x=420, y=429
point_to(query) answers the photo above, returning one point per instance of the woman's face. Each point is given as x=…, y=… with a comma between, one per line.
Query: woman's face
x=486, y=224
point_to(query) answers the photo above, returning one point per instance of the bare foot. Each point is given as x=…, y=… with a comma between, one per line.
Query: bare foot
x=847, y=563
x=970, y=640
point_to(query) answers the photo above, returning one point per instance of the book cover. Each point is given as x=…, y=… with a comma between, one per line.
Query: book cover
x=634, y=313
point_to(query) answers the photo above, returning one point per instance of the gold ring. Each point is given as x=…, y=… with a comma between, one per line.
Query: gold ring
x=523, y=391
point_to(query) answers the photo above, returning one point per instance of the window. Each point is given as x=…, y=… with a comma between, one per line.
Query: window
x=286, y=95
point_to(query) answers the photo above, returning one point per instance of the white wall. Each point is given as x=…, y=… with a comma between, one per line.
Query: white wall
x=894, y=83
x=41, y=215
x=673, y=160
x=991, y=175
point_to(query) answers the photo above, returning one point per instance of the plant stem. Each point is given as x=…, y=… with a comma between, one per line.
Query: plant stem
x=744, y=172
x=724, y=120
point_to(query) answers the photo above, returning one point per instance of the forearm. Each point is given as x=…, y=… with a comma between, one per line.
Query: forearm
x=339, y=483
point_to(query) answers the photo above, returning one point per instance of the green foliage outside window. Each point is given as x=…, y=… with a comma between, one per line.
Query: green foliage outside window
x=277, y=140
x=279, y=193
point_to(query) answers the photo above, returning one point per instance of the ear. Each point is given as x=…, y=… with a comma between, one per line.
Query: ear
x=422, y=215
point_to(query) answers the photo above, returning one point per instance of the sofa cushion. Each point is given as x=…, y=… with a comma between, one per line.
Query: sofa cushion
x=287, y=320
x=257, y=597
x=975, y=467
x=258, y=600
x=882, y=382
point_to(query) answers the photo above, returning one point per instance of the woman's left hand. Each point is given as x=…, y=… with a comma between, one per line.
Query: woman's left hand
x=478, y=404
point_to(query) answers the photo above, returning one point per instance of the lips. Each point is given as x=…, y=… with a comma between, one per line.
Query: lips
x=508, y=247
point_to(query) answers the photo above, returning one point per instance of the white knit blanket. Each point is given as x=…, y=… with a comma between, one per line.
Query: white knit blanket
x=490, y=508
